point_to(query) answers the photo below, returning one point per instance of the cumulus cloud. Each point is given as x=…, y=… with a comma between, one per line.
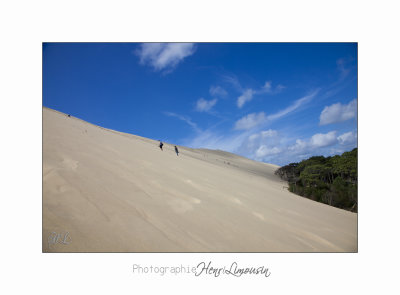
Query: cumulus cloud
x=338, y=113
x=264, y=151
x=205, y=105
x=271, y=146
x=218, y=91
x=299, y=147
x=245, y=97
x=322, y=140
x=267, y=88
x=316, y=142
x=261, y=145
x=347, y=138
x=164, y=56
x=250, y=121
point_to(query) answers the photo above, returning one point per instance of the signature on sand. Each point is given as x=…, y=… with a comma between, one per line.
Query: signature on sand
x=59, y=238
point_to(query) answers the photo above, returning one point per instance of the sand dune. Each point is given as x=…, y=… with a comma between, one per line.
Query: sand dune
x=107, y=191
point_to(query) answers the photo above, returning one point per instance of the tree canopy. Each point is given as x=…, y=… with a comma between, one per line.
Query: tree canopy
x=330, y=180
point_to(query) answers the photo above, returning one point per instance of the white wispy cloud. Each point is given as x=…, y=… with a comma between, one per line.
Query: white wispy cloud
x=203, y=105
x=184, y=119
x=266, y=137
x=248, y=93
x=233, y=81
x=270, y=145
x=246, y=96
x=338, y=113
x=294, y=106
x=268, y=133
x=279, y=88
x=216, y=140
x=259, y=119
x=343, y=70
x=218, y=91
x=250, y=121
x=267, y=86
x=164, y=56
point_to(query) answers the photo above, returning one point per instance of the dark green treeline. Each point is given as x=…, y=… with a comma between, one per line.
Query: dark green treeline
x=331, y=180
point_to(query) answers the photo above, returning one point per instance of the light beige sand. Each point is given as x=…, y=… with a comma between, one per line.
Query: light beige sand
x=106, y=191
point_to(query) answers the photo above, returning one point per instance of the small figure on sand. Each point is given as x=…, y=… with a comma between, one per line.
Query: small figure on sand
x=161, y=145
x=176, y=151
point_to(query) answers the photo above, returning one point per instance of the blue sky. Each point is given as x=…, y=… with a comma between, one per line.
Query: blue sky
x=272, y=102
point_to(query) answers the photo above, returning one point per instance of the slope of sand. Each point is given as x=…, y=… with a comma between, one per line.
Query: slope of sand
x=106, y=191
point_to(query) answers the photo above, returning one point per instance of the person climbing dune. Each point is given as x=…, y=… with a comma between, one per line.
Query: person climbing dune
x=161, y=145
x=176, y=151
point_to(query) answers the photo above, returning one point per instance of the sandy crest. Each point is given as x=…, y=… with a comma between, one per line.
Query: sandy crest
x=107, y=191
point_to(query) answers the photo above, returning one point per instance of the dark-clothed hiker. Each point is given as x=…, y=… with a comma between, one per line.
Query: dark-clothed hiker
x=176, y=151
x=161, y=145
